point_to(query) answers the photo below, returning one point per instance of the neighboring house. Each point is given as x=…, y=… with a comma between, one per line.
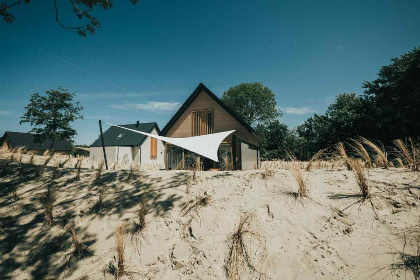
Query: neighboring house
x=127, y=147
x=204, y=113
x=11, y=140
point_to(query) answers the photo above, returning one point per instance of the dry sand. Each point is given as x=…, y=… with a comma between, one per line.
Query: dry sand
x=305, y=238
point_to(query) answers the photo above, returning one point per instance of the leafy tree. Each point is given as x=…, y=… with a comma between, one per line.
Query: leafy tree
x=255, y=103
x=273, y=137
x=396, y=94
x=350, y=115
x=81, y=8
x=51, y=115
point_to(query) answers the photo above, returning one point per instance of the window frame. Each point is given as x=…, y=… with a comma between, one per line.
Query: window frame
x=194, y=126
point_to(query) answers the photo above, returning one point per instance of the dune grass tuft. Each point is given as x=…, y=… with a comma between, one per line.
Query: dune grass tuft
x=360, y=174
x=319, y=154
x=360, y=150
x=99, y=170
x=246, y=248
x=47, y=201
x=409, y=153
x=120, y=247
x=381, y=157
x=195, y=204
x=79, y=168
x=64, y=162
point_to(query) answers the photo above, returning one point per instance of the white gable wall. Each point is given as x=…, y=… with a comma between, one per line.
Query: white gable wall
x=145, y=151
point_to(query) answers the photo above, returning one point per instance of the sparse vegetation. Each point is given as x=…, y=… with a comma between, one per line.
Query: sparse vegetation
x=79, y=167
x=241, y=255
x=360, y=151
x=120, y=247
x=360, y=174
x=410, y=157
x=47, y=201
x=99, y=170
x=194, y=205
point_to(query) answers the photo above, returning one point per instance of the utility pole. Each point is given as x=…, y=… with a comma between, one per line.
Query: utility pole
x=103, y=144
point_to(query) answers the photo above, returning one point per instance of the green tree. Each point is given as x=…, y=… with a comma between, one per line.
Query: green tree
x=81, y=8
x=350, y=115
x=255, y=103
x=50, y=115
x=396, y=94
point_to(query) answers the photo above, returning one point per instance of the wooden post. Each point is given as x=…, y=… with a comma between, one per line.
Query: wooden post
x=103, y=144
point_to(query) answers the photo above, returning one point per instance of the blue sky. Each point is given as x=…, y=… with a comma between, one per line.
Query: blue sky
x=146, y=60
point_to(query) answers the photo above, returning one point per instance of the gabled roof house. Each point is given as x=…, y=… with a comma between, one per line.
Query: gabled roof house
x=11, y=140
x=127, y=147
x=204, y=113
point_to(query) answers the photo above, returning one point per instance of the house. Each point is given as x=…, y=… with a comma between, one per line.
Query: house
x=11, y=140
x=204, y=113
x=126, y=147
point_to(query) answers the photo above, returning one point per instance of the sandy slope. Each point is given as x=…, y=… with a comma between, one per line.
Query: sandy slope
x=305, y=238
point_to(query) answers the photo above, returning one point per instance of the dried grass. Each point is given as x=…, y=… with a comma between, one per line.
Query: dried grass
x=79, y=168
x=381, y=158
x=47, y=201
x=360, y=174
x=78, y=246
x=360, y=150
x=409, y=153
x=120, y=247
x=319, y=154
x=196, y=204
x=247, y=251
x=133, y=169
x=49, y=159
x=64, y=162
x=297, y=173
x=99, y=170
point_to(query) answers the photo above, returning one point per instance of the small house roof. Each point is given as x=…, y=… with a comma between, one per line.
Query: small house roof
x=24, y=139
x=116, y=136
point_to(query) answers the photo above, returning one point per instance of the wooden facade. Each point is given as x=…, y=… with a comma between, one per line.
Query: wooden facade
x=204, y=113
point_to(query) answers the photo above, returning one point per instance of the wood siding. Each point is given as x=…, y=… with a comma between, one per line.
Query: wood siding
x=223, y=121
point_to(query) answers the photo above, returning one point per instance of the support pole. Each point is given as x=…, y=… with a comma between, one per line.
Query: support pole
x=103, y=144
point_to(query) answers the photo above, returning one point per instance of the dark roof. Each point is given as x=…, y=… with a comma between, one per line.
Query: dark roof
x=187, y=103
x=22, y=139
x=116, y=136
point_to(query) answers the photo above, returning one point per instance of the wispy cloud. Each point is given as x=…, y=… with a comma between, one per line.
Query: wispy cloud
x=4, y=113
x=149, y=106
x=298, y=110
x=104, y=117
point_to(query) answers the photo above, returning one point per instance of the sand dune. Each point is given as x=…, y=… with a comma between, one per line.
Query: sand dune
x=190, y=223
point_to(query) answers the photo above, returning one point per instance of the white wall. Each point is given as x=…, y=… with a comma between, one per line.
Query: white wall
x=97, y=154
x=249, y=157
x=145, y=152
x=134, y=154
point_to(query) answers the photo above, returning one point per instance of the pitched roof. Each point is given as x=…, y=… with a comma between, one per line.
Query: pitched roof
x=22, y=139
x=187, y=103
x=115, y=136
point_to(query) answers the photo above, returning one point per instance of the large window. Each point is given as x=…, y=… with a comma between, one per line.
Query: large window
x=153, y=148
x=202, y=122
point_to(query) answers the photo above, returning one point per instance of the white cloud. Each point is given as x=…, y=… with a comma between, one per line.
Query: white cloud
x=297, y=110
x=4, y=113
x=149, y=106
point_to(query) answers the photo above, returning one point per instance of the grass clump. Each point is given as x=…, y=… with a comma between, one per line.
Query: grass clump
x=381, y=157
x=47, y=201
x=408, y=153
x=64, y=162
x=99, y=170
x=120, y=247
x=246, y=248
x=195, y=204
x=360, y=174
x=79, y=168
x=360, y=151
